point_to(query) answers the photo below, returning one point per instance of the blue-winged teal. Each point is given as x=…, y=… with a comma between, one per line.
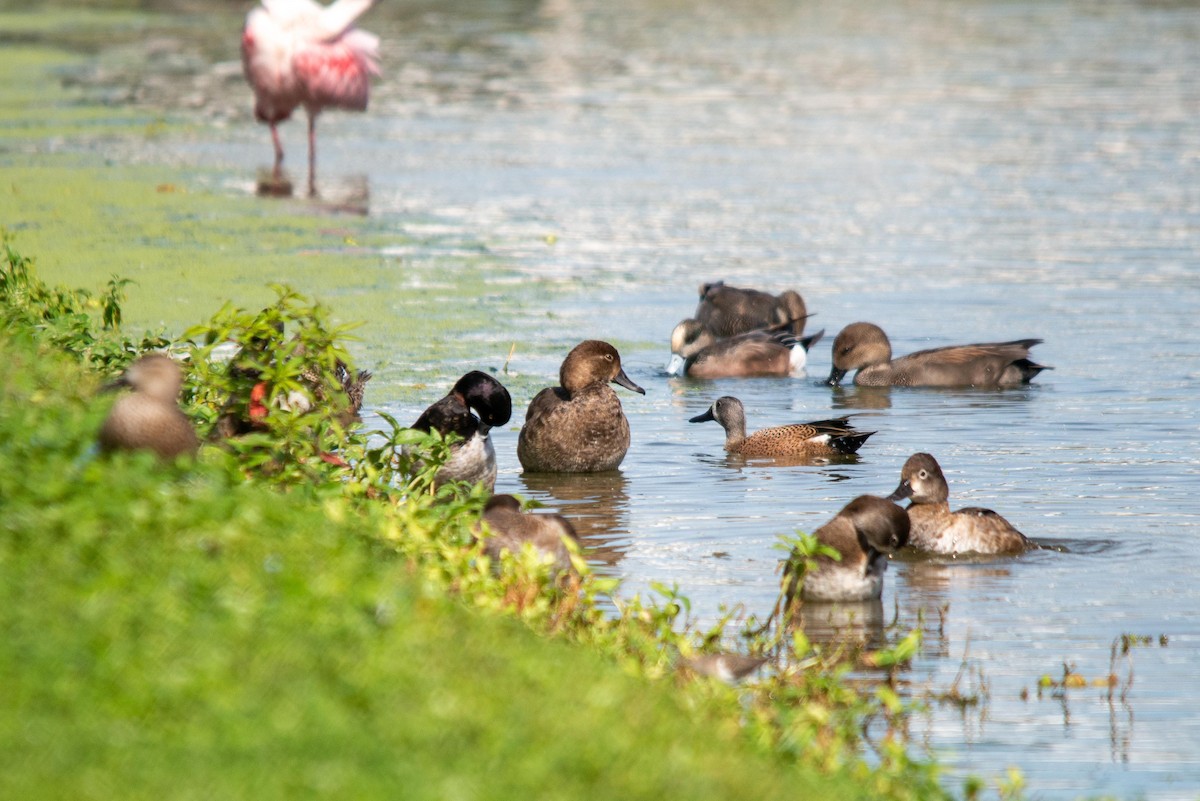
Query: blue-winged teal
x=473, y=459
x=938, y=530
x=578, y=427
x=149, y=418
x=818, y=438
x=865, y=348
x=864, y=533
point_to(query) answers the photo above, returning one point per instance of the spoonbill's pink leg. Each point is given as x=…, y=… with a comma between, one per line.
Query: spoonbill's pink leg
x=278, y=151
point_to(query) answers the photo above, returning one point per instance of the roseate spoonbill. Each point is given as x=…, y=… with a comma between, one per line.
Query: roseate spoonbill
x=298, y=52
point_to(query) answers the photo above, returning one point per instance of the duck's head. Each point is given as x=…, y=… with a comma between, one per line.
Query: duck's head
x=858, y=345
x=922, y=479
x=593, y=362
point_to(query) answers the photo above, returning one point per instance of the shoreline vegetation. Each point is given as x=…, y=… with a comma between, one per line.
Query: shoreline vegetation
x=265, y=621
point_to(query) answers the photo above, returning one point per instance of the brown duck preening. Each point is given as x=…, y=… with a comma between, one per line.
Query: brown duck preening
x=864, y=533
x=727, y=311
x=512, y=528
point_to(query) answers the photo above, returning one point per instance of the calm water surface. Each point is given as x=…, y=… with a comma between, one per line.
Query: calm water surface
x=953, y=172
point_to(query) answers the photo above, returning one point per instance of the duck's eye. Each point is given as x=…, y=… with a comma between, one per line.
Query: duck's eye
x=923, y=474
x=608, y=357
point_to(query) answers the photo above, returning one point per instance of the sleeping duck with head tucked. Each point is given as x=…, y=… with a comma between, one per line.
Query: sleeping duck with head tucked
x=578, y=426
x=935, y=529
x=473, y=459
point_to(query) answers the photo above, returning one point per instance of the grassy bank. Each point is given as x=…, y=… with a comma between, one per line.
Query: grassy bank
x=199, y=630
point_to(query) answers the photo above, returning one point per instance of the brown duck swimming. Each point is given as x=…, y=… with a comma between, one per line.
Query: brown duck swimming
x=473, y=459
x=727, y=311
x=579, y=426
x=864, y=532
x=865, y=348
x=697, y=353
x=511, y=529
x=149, y=418
x=819, y=438
x=938, y=530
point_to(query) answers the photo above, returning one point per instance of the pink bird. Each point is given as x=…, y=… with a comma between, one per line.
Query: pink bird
x=298, y=52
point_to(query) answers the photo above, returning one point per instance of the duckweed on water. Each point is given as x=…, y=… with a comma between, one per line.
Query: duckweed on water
x=201, y=630
x=76, y=194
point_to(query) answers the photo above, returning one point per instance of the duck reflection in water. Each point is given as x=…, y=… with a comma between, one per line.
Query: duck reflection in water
x=858, y=624
x=934, y=590
x=597, y=504
x=854, y=397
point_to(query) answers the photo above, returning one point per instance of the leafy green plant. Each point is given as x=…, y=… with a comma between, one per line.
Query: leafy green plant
x=360, y=544
x=71, y=320
x=803, y=551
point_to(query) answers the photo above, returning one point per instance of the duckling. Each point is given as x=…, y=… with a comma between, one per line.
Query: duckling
x=865, y=347
x=727, y=311
x=578, y=427
x=149, y=418
x=819, y=438
x=864, y=532
x=697, y=353
x=938, y=530
x=511, y=528
x=472, y=460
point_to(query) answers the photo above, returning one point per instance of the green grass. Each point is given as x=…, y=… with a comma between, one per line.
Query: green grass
x=170, y=633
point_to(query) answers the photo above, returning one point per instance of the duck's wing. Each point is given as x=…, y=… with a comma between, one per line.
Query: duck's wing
x=981, y=365
x=741, y=356
x=545, y=403
x=960, y=354
x=843, y=437
x=836, y=425
x=728, y=311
